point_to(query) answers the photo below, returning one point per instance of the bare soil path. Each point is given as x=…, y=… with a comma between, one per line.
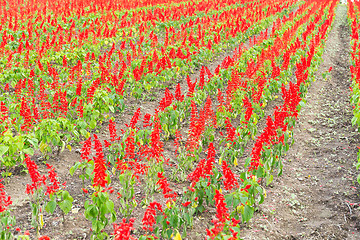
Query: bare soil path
x=317, y=197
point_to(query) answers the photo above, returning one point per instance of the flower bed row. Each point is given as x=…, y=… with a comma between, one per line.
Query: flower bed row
x=353, y=13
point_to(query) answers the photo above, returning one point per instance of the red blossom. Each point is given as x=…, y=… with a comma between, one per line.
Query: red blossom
x=86, y=149
x=185, y=204
x=146, y=121
x=230, y=182
x=36, y=178
x=178, y=95
x=5, y=201
x=44, y=238
x=112, y=130
x=100, y=167
x=221, y=210
x=54, y=187
x=164, y=186
x=149, y=220
x=155, y=142
x=134, y=119
x=123, y=230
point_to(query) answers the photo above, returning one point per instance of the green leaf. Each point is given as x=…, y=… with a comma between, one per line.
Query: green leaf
x=269, y=179
x=66, y=203
x=29, y=151
x=248, y=213
x=74, y=168
x=65, y=206
x=3, y=150
x=50, y=207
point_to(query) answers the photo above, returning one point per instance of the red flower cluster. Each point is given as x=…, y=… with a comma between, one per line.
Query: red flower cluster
x=178, y=95
x=36, y=178
x=168, y=193
x=112, y=130
x=149, y=220
x=198, y=122
x=5, y=201
x=221, y=210
x=221, y=218
x=204, y=167
x=55, y=186
x=123, y=230
x=249, y=108
x=134, y=119
x=100, y=167
x=155, y=142
x=86, y=149
x=230, y=181
x=167, y=100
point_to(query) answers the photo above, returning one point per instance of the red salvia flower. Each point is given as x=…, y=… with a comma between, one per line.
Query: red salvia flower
x=44, y=238
x=164, y=186
x=99, y=162
x=249, y=108
x=112, y=130
x=221, y=210
x=86, y=149
x=122, y=231
x=36, y=178
x=5, y=201
x=167, y=100
x=130, y=146
x=25, y=112
x=64, y=61
x=230, y=130
x=198, y=172
x=191, y=87
x=218, y=228
x=210, y=160
x=185, y=204
x=146, y=121
x=178, y=95
x=149, y=217
x=79, y=87
x=155, y=142
x=134, y=119
x=229, y=179
x=54, y=187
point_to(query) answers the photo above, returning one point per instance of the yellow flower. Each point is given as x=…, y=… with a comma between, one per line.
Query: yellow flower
x=177, y=236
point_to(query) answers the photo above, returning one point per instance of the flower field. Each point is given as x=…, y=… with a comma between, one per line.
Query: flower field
x=164, y=119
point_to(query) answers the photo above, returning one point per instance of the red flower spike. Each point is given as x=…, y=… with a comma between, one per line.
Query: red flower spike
x=122, y=231
x=149, y=217
x=86, y=149
x=5, y=201
x=112, y=130
x=178, y=95
x=100, y=167
x=230, y=181
x=36, y=178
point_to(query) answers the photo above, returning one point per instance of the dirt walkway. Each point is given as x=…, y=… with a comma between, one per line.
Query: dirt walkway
x=314, y=199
